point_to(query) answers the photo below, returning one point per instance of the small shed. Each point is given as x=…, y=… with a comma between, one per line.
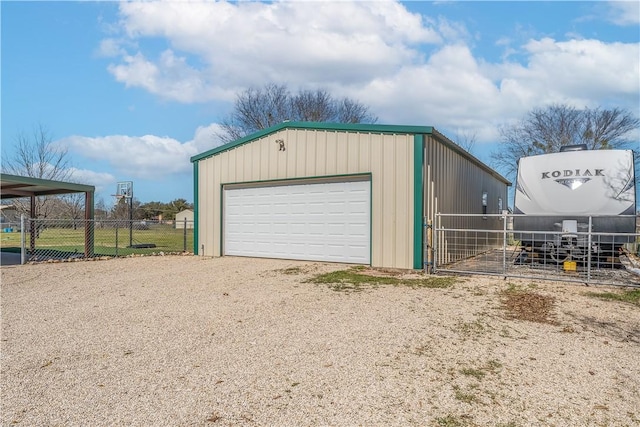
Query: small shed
x=184, y=219
x=352, y=193
x=9, y=214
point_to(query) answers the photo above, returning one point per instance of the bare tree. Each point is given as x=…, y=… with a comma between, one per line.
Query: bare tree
x=546, y=130
x=465, y=140
x=310, y=106
x=351, y=111
x=37, y=157
x=259, y=108
x=73, y=207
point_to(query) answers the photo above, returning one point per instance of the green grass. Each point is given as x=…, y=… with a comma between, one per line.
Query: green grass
x=472, y=372
x=629, y=296
x=291, y=270
x=466, y=397
x=449, y=421
x=354, y=279
x=66, y=240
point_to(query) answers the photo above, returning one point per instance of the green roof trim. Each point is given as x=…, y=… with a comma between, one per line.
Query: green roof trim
x=339, y=127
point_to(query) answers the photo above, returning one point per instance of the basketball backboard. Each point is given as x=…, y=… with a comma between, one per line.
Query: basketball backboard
x=125, y=189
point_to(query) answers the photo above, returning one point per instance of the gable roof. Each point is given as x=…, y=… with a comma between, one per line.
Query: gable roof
x=345, y=127
x=352, y=127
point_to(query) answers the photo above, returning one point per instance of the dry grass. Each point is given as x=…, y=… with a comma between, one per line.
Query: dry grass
x=527, y=305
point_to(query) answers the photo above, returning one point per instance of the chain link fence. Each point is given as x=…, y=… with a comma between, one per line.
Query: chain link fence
x=455, y=244
x=64, y=239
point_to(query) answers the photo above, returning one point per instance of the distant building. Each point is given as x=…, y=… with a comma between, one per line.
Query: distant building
x=187, y=215
x=9, y=214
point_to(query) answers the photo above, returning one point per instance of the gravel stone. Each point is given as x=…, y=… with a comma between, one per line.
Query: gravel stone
x=185, y=340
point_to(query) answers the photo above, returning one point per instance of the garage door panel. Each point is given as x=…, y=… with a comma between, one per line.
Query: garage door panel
x=323, y=222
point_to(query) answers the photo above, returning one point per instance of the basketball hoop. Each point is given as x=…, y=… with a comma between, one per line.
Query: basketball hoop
x=124, y=190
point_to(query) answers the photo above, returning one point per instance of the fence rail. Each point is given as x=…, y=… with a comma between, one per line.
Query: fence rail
x=64, y=239
x=498, y=247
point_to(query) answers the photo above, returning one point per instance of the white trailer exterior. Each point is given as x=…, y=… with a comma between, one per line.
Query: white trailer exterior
x=560, y=191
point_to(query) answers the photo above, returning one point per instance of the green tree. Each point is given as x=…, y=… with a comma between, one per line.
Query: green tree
x=153, y=210
x=175, y=206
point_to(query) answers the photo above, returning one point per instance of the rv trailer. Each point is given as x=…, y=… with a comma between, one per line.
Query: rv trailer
x=559, y=192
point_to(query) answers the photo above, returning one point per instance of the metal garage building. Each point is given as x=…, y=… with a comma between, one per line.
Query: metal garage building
x=353, y=193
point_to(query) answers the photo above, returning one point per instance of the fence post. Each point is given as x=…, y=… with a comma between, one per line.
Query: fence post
x=504, y=244
x=433, y=244
x=117, y=223
x=184, y=235
x=428, y=241
x=589, y=242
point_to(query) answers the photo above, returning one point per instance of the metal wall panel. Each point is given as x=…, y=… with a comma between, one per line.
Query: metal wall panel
x=454, y=185
x=316, y=153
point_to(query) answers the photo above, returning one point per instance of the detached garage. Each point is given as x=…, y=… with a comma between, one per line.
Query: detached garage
x=352, y=193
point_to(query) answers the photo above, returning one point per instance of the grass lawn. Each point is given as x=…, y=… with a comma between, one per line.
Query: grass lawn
x=107, y=241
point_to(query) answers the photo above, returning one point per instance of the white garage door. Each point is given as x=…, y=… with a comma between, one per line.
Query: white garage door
x=327, y=221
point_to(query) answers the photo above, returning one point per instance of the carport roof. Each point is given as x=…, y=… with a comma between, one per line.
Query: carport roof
x=14, y=186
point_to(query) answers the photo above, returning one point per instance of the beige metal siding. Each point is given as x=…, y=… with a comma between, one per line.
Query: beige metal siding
x=317, y=153
x=454, y=185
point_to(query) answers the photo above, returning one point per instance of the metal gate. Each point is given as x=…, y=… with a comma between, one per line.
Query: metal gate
x=489, y=244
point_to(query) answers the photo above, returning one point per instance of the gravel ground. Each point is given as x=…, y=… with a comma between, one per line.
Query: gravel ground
x=182, y=340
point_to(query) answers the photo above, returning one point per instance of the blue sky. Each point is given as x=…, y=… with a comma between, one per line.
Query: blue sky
x=133, y=90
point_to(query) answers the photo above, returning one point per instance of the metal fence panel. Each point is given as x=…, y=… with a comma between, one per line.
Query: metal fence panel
x=64, y=239
x=580, y=256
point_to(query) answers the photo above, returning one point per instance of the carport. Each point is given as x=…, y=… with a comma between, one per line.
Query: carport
x=16, y=187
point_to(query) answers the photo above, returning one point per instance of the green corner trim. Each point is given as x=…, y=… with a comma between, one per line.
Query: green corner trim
x=418, y=192
x=196, y=226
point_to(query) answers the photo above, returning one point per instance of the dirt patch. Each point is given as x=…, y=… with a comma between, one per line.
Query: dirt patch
x=529, y=306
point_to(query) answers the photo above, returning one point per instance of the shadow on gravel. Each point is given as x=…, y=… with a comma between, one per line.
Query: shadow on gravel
x=610, y=329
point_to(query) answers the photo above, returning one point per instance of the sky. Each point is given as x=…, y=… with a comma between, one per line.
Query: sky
x=133, y=90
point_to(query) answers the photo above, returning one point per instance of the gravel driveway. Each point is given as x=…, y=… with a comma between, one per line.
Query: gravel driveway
x=182, y=340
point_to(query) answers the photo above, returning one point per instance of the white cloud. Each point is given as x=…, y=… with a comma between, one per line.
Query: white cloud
x=236, y=45
x=372, y=51
x=147, y=156
x=624, y=12
x=110, y=48
x=453, y=90
x=580, y=72
x=101, y=180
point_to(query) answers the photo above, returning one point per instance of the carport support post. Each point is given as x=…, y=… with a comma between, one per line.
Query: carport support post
x=22, y=243
x=32, y=226
x=184, y=235
x=88, y=225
